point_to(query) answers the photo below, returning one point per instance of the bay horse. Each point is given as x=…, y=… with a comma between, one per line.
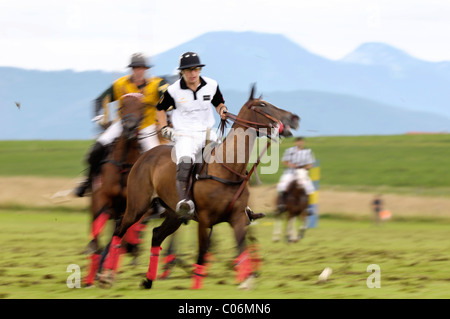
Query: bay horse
x=220, y=192
x=296, y=203
x=108, y=200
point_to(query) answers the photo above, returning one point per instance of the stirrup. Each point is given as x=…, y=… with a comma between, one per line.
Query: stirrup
x=185, y=208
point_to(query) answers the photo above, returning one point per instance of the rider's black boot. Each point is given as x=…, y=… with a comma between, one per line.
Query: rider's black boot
x=185, y=207
x=96, y=155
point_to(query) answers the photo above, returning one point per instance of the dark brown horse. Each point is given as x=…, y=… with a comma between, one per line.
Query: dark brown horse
x=109, y=187
x=220, y=193
x=296, y=207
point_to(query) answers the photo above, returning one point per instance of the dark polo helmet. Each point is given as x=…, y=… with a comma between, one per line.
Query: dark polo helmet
x=189, y=60
x=139, y=60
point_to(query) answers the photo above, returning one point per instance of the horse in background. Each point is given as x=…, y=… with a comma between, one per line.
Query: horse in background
x=296, y=207
x=109, y=186
x=220, y=191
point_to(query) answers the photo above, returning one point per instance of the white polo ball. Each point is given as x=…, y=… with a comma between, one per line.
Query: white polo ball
x=325, y=274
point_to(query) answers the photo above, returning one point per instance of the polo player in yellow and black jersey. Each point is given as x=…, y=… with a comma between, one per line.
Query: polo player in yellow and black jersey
x=151, y=87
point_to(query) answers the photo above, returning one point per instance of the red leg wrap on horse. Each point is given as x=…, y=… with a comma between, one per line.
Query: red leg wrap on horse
x=153, y=266
x=255, y=257
x=197, y=277
x=169, y=261
x=169, y=258
x=243, y=266
x=99, y=223
x=95, y=262
x=112, y=260
x=209, y=257
x=132, y=234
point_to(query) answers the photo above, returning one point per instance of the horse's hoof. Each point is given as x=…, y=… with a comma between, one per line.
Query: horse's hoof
x=302, y=234
x=248, y=284
x=104, y=285
x=106, y=279
x=147, y=283
x=91, y=248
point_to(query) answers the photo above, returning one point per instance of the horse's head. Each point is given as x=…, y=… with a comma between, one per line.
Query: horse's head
x=262, y=114
x=131, y=112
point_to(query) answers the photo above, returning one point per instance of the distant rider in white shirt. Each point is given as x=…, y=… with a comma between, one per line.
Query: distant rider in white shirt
x=299, y=161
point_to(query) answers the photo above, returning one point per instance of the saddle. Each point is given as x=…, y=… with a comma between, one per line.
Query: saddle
x=202, y=161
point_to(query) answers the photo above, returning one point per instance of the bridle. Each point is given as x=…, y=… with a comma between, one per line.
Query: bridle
x=122, y=164
x=252, y=125
x=256, y=126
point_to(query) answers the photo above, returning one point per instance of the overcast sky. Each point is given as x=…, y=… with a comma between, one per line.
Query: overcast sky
x=101, y=35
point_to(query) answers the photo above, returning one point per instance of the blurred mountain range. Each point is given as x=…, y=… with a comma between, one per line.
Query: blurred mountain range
x=376, y=89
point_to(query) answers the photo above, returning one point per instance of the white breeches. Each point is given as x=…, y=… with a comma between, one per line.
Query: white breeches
x=148, y=138
x=189, y=144
x=301, y=175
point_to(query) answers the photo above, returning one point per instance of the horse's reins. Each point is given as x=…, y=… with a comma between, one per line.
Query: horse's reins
x=246, y=179
x=254, y=125
x=123, y=165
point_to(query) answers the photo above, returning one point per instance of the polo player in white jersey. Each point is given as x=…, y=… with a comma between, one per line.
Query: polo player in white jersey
x=193, y=98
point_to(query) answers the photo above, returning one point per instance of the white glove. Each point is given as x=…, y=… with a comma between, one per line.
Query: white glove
x=167, y=132
x=98, y=119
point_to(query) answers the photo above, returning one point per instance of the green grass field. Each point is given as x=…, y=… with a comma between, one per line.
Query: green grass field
x=38, y=246
x=401, y=162
x=42, y=158
x=39, y=243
